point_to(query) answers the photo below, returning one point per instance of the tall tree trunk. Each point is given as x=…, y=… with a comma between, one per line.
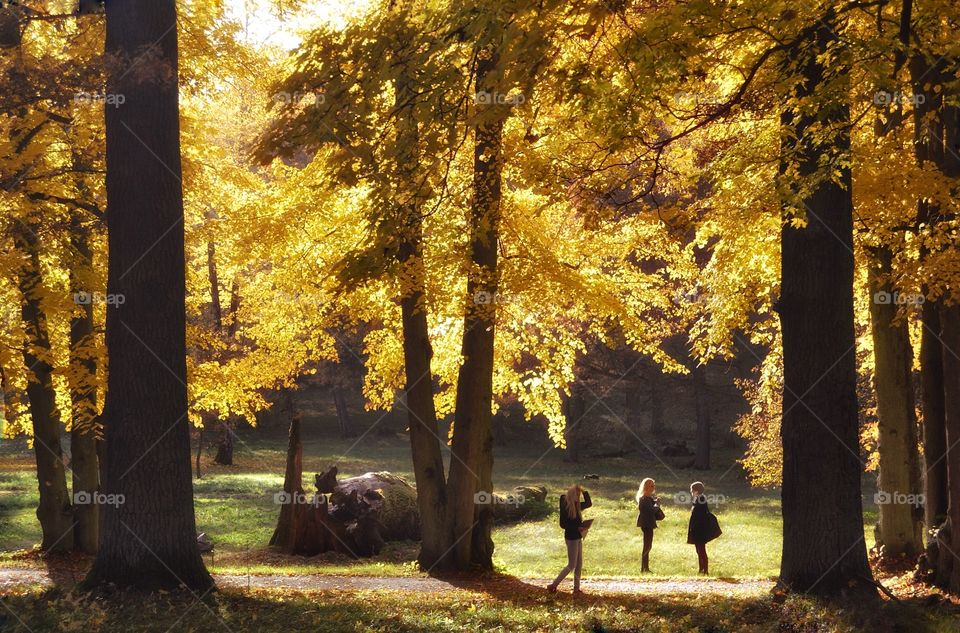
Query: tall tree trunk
x=899, y=480
x=471, y=469
x=900, y=530
x=928, y=147
x=950, y=335
x=934, y=425
x=701, y=403
x=224, y=455
x=574, y=409
x=148, y=536
x=823, y=538
x=54, y=511
x=83, y=399
x=343, y=414
x=417, y=352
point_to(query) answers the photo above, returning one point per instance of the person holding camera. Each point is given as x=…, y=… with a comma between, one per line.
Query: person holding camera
x=649, y=513
x=574, y=528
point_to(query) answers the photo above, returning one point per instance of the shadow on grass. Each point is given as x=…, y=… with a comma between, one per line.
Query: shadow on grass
x=473, y=603
x=508, y=605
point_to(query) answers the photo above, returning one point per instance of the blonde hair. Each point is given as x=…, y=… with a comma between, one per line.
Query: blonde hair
x=573, y=501
x=642, y=490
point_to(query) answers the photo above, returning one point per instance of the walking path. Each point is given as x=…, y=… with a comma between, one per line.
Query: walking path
x=14, y=578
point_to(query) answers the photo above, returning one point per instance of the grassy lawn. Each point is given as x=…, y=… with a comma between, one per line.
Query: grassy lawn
x=504, y=607
x=235, y=507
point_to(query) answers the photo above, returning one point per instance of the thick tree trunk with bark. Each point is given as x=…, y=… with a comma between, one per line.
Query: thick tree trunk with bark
x=950, y=335
x=701, y=403
x=899, y=479
x=934, y=426
x=928, y=147
x=823, y=541
x=148, y=534
x=284, y=535
x=54, y=511
x=83, y=398
x=425, y=440
x=471, y=469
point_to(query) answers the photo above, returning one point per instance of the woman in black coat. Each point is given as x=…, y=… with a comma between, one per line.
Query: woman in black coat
x=703, y=526
x=649, y=513
x=571, y=520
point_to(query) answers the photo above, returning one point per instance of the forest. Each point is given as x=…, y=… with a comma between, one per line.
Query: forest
x=621, y=285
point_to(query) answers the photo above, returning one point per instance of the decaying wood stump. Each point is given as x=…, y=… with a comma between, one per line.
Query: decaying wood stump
x=355, y=516
x=374, y=508
x=305, y=526
x=358, y=515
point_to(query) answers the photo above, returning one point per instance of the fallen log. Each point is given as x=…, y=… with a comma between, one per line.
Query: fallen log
x=356, y=516
x=374, y=508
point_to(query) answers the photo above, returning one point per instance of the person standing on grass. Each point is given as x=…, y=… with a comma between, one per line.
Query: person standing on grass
x=703, y=526
x=571, y=520
x=650, y=513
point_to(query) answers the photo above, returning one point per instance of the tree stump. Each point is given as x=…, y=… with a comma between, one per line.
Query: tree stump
x=356, y=516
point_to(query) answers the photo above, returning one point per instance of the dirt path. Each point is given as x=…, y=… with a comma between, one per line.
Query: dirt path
x=13, y=578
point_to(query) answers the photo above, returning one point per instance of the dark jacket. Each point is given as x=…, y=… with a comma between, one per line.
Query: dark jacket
x=571, y=527
x=703, y=526
x=647, y=519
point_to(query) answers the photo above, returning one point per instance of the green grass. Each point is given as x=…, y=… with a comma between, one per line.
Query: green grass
x=234, y=506
x=504, y=607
